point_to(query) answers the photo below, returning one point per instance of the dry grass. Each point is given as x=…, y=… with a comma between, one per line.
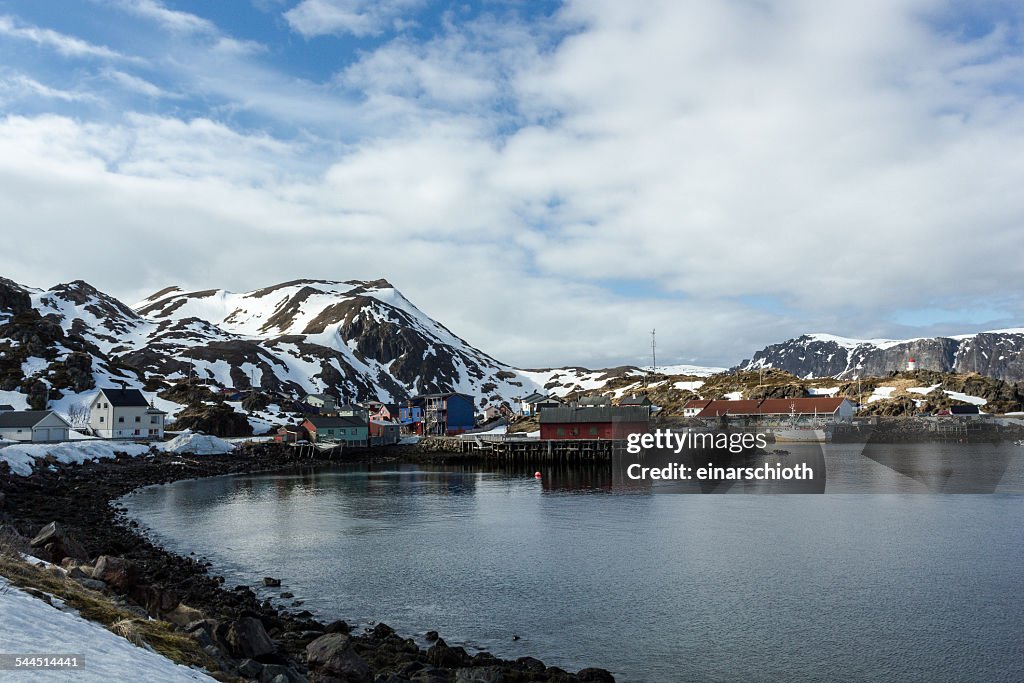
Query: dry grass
x=95, y=606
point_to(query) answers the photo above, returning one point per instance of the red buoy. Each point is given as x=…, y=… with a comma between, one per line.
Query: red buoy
x=536, y=475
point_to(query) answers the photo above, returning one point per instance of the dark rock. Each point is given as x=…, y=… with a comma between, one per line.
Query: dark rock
x=333, y=655
x=287, y=595
x=530, y=664
x=431, y=636
x=272, y=672
x=483, y=674
x=116, y=572
x=338, y=627
x=247, y=638
x=382, y=631
x=271, y=582
x=92, y=584
x=593, y=675
x=58, y=544
x=250, y=668
x=444, y=657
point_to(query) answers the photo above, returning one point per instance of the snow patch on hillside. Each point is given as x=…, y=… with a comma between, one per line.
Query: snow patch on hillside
x=881, y=394
x=24, y=457
x=29, y=625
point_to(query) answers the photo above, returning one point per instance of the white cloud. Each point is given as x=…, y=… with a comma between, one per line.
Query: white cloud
x=15, y=86
x=356, y=17
x=171, y=20
x=136, y=84
x=772, y=167
x=64, y=44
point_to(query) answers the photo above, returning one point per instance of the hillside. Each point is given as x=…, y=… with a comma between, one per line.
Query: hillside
x=898, y=394
x=998, y=354
x=357, y=340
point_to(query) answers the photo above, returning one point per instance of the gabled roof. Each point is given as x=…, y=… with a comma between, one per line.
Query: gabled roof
x=594, y=401
x=335, y=421
x=125, y=398
x=534, y=397
x=575, y=414
x=724, y=407
x=25, y=418
x=697, y=403
x=322, y=397
x=821, y=405
x=640, y=400
x=6, y=406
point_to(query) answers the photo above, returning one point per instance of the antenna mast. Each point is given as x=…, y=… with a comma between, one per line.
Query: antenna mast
x=654, y=356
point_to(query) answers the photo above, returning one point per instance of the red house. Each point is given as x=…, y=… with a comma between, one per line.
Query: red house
x=291, y=434
x=603, y=422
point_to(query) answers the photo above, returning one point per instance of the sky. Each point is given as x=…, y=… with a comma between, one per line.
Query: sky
x=550, y=180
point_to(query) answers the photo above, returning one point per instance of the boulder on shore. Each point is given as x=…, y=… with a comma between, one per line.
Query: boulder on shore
x=332, y=656
x=247, y=639
x=116, y=572
x=57, y=544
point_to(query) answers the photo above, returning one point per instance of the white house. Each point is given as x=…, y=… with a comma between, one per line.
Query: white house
x=33, y=425
x=125, y=414
x=325, y=403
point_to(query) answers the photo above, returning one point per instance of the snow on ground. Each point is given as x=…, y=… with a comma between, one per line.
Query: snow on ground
x=823, y=391
x=261, y=421
x=30, y=626
x=923, y=390
x=695, y=370
x=14, y=398
x=689, y=385
x=196, y=444
x=733, y=396
x=973, y=400
x=881, y=393
x=22, y=457
x=850, y=344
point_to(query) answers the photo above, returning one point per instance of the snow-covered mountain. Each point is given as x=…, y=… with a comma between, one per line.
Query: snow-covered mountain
x=998, y=354
x=357, y=340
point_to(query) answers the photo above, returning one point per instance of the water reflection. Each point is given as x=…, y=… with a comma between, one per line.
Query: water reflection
x=592, y=572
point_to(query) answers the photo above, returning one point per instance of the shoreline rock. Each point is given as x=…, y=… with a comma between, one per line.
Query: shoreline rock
x=246, y=637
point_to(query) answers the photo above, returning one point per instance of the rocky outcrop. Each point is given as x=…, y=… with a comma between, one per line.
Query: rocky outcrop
x=994, y=354
x=218, y=419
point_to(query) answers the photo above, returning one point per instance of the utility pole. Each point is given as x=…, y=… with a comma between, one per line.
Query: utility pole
x=654, y=355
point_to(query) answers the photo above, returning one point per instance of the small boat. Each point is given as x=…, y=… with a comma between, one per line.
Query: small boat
x=802, y=435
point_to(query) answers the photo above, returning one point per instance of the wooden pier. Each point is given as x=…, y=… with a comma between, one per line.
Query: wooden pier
x=501, y=447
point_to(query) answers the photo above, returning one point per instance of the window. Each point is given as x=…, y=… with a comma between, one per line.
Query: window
x=154, y=420
x=561, y=431
x=137, y=432
x=342, y=432
x=121, y=419
x=101, y=418
x=593, y=431
x=138, y=418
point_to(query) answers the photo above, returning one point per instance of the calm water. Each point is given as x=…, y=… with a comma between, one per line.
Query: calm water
x=653, y=587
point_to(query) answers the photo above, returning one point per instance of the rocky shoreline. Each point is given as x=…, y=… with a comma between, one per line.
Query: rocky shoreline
x=249, y=639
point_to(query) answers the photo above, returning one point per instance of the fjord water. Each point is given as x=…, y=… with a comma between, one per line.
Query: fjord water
x=652, y=587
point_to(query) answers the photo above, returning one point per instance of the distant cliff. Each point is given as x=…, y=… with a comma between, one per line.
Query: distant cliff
x=998, y=354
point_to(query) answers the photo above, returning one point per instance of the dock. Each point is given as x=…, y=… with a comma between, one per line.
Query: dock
x=511, y=448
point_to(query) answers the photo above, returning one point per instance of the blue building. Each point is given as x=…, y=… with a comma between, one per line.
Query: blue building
x=448, y=413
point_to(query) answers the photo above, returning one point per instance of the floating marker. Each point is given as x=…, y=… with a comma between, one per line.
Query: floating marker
x=536, y=475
